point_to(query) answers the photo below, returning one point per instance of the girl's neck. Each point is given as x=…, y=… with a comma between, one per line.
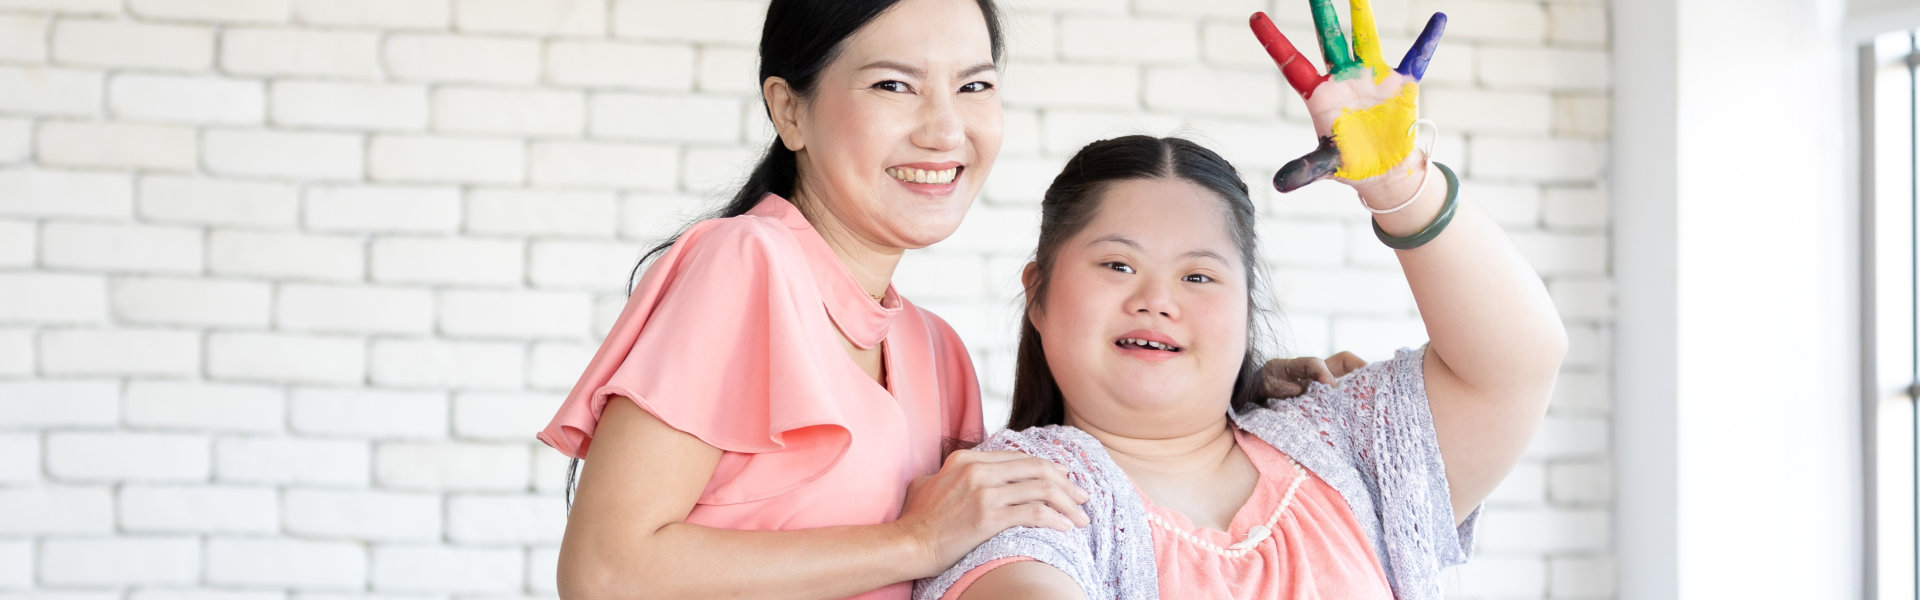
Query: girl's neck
x=1205, y=449
x=872, y=264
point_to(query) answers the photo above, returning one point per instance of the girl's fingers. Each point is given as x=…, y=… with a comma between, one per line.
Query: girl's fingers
x=1320, y=164
x=1366, y=38
x=1297, y=68
x=1415, y=63
x=1333, y=43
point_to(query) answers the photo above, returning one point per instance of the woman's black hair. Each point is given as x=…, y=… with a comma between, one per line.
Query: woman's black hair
x=1074, y=200
x=797, y=41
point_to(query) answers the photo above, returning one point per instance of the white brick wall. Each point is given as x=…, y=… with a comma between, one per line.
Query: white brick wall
x=286, y=286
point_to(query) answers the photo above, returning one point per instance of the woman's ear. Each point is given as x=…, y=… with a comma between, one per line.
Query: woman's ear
x=784, y=107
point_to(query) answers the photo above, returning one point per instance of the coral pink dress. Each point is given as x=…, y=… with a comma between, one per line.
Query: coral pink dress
x=1294, y=538
x=734, y=336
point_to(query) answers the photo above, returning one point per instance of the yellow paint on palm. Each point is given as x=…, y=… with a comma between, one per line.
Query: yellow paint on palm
x=1375, y=139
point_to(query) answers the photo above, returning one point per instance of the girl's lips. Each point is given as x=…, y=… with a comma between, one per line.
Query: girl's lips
x=1148, y=345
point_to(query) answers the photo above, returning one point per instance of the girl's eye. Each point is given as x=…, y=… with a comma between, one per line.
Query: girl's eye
x=892, y=86
x=1118, y=266
x=1197, y=278
x=977, y=86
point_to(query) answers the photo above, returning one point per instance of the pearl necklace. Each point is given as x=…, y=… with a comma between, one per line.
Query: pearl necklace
x=1255, y=534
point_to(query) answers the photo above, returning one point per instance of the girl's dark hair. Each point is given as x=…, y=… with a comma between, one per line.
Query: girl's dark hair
x=797, y=41
x=1074, y=200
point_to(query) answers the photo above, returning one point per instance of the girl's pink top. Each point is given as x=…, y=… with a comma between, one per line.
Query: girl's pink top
x=734, y=336
x=1313, y=547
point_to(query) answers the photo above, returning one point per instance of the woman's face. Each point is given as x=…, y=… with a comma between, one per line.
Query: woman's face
x=902, y=126
x=1145, y=317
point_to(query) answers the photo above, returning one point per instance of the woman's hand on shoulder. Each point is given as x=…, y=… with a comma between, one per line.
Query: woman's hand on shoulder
x=1288, y=377
x=977, y=495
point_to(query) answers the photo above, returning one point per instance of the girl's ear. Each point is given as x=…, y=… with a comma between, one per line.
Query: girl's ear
x=1030, y=281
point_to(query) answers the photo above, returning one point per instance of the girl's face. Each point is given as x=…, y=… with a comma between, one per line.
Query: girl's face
x=1145, y=317
x=902, y=126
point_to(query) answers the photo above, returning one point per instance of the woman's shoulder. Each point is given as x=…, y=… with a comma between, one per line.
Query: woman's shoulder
x=759, y=237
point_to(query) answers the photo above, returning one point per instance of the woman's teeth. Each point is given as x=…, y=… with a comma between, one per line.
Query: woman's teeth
x=1150, y=344
x=909, y=175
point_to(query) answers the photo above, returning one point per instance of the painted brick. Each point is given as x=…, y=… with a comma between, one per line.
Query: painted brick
x=56, y=510
x=441, y=364
x=553, y=18
x=236, y=11
x=603, y=164
x=462, y=59
x=541, y=213
x=294, y=256
x=1137, y=40
x=383, y=208
x=415, y=568
x=363, y=515
x=186, y=99
x=131, y=352
x=59, y=403
x=113, y=247
x=296, y=52
x=369, y=413
x=19, y=460
x=521, y=112
x=345, y=105
x=52, y=298
x=449, y=261
x=353, y=309
x=451, y=466
x=289, y=461
x=665, y=118
x=127, y=456
x=284, y=154
x=120, y=561
x=501, y=416
x=197, y=200
x=606, y=64
x=130, y=44
x=118, y=145
x=316, y=565
x=199, y=405
x=716, y=21
x=286, y=357
x=581, y=264
x=23, y=37
x=515, y=520
x=51, y=91
x=199, y=509
x=396, y=14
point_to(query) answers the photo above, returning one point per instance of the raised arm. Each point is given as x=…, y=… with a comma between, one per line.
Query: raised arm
x=627, y=536
x=1496, y=339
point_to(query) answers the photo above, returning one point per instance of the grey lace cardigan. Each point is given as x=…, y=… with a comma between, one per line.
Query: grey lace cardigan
x=1371, y=438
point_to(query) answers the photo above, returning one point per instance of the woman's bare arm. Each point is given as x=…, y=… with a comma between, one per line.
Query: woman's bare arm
x=627, y=536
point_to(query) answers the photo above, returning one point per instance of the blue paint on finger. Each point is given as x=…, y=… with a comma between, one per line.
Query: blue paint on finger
x=1415, y=63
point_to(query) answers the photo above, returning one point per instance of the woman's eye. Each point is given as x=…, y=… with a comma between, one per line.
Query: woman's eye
x=977, y=86
x=1197, y=278
x=1118, y=266
x=892, y=86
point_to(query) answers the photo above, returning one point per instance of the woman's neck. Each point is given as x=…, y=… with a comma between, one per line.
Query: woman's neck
x=872, y=264
x=1206, y=449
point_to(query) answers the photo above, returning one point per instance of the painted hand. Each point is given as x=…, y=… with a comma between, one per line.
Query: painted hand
x=1363, y=110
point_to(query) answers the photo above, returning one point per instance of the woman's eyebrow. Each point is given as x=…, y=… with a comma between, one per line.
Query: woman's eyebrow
x=919, y=73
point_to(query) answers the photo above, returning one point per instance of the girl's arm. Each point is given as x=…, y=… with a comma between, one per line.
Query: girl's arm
x=627, y=537
x=1497, y=340
x=1024, y=579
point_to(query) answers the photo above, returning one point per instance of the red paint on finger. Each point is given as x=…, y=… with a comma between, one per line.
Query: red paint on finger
x=1299, y=71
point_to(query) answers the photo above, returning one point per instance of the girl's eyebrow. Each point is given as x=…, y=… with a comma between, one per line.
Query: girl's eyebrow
x=1128, y=242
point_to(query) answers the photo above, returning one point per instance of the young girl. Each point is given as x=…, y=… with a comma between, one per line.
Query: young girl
x=1136, y=372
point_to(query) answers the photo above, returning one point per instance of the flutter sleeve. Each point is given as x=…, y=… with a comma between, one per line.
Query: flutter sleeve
x=714, y=342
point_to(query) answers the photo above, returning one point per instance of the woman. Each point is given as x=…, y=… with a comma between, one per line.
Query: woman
x=760, y=412
x=1136, y=372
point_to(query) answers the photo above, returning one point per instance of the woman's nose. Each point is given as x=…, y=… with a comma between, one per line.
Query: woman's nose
x=940, y=126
